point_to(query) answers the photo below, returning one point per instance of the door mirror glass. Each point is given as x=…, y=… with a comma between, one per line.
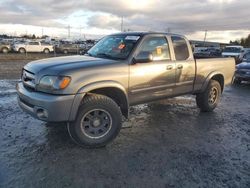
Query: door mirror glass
x=144, y=57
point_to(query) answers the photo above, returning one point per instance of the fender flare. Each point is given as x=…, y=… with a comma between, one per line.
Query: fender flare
x=102, y=84
x=209, y=77
x=82, y=92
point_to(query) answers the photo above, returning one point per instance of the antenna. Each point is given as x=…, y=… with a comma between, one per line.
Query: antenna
x=122, y=24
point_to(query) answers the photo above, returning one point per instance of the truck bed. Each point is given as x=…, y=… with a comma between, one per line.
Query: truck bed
x=206, y=67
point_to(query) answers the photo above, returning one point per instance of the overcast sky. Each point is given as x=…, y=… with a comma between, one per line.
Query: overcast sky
x=223, y=19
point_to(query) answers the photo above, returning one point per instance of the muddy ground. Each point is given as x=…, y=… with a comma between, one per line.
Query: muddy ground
x=169, y=144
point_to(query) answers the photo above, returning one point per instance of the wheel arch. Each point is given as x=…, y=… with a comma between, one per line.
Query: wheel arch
x=218, y=76
x=19, y=48
x=46, y=48
x=111, y=89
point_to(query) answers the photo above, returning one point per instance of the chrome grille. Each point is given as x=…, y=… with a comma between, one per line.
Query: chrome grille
x=28, y=79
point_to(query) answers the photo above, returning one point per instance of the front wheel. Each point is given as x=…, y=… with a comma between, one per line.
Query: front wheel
x=209, y=99
x=98, y=122
x=46, y=51
x=22, y=50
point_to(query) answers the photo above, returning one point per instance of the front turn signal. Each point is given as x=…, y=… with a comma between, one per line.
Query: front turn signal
x=64, y=82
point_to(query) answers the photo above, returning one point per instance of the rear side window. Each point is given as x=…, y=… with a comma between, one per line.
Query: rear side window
x=180, y=48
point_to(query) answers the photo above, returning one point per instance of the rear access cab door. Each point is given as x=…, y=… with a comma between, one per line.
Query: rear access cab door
x=185, y=65
x=33, y=47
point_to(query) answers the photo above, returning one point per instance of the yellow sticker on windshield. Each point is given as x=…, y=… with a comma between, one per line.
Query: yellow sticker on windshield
x=158, y=51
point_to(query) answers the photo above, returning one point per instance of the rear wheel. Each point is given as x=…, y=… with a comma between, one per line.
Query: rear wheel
x=98, y=122
x=209, y=99
x=5, y=50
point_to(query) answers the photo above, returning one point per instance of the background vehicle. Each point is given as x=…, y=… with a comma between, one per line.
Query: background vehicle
x=92, y=92
x=233, y=51
x=246, y=50
x=4, y=48
x=33, y=47
x=242, y=72
x=209, y=52
x=70, y=48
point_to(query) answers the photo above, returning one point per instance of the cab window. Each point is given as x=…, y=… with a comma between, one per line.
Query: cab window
x=180, y=48
x=247, y=56
x=33, y=43
x=157, y=46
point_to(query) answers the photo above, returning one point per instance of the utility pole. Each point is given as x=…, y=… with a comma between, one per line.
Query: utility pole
x=69, y=31
x=81, y=31
x=122, y=24
x=168, y=29
x=205, y=37
x=42, y=31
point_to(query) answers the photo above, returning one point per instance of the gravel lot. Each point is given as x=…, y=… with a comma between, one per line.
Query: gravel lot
x=169, y=144
x=11, y=64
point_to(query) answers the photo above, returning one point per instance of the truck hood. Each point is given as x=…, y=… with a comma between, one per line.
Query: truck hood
x=244, y=65
x=65, y=63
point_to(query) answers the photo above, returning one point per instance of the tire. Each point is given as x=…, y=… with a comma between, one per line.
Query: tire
x=65, y=51
x=46, y=51
x=5, y=50
x=22, y=50
x=209, y=99
x=98, y=122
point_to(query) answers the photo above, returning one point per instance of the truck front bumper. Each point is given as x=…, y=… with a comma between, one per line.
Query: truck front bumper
x=47, y=107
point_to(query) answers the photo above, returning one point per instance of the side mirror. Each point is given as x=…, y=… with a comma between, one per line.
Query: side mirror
x=143, y=57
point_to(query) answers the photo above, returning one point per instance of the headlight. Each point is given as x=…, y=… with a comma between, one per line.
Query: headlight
x=50, y=83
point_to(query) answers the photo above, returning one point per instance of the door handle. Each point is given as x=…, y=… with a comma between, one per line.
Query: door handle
x=179, y=66
x=170, y=67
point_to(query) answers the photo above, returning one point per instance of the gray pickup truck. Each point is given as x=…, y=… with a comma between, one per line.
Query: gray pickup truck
x=92, y=92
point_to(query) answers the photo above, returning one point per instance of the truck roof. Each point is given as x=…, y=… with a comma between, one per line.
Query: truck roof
x=234, y=46
x=143, y=33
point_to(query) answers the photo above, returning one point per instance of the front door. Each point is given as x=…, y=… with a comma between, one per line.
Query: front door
x=152, y=80
x=33, y=47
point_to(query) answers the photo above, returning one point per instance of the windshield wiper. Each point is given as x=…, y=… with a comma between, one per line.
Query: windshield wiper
x=107, y=56
x=104, y=55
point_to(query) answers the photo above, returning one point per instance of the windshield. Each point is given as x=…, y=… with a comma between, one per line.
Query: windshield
x=247, y=57
x=114, y=47
x=232, y=49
